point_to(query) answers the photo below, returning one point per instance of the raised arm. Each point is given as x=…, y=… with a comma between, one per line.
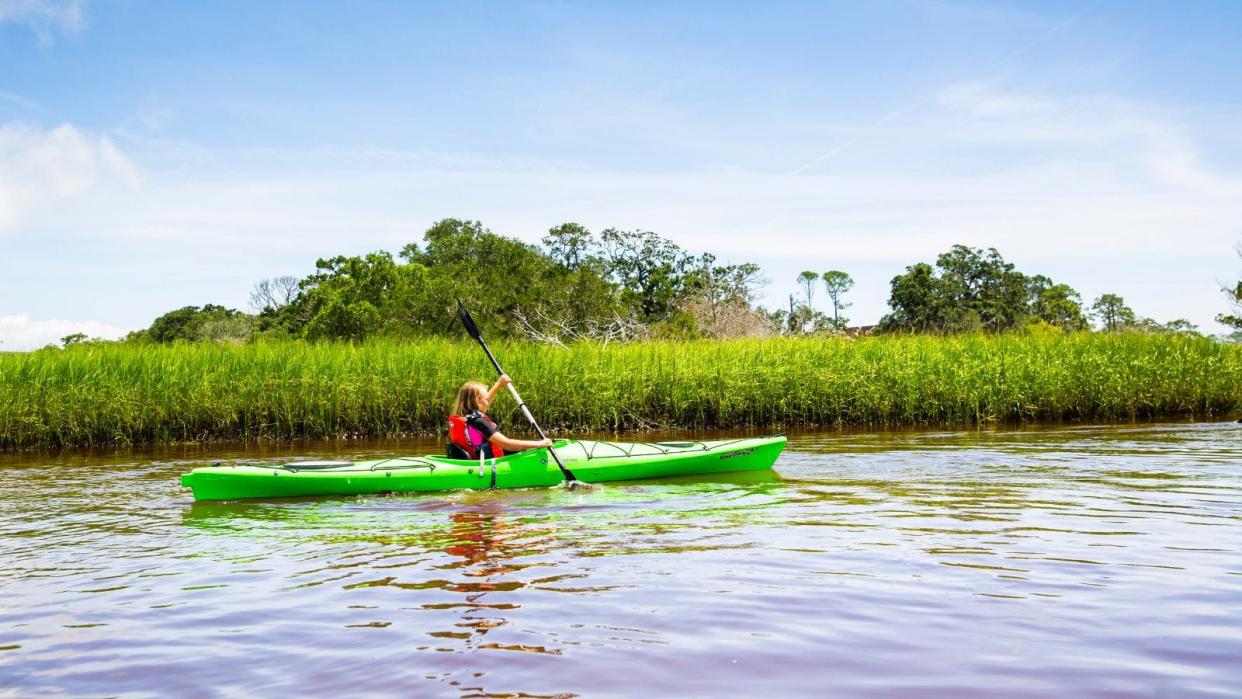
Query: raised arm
x=501, y=382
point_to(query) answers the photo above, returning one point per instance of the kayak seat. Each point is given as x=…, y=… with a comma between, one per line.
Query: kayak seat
x=455, y=451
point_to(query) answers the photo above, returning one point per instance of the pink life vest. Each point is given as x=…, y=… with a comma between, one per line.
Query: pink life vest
x=468, y=438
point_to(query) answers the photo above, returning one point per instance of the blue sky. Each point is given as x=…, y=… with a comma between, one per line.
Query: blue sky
x=155, y=154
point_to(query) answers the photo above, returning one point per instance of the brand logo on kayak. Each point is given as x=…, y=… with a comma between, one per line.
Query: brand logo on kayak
x=744, y=452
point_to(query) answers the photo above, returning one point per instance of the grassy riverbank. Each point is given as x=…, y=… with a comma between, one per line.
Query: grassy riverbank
x=116, y=393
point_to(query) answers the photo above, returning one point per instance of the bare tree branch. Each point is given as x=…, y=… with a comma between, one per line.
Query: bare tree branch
x=274, y=293
x=540, y=326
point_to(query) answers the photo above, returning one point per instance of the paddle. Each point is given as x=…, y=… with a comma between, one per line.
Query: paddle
x=473, y=329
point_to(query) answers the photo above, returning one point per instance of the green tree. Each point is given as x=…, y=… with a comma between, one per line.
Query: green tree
x=337, y=318
x=837, y=284
x=982, y=290
x=185, y=323
x=969, y=289
x=807, y=280
x=1112, y=312
x=916, y=300
x=619, y=287
x=72, y=339
x=507, y=284
x=175, y=325
x=495, y=274
x=1056, y=304
x=570, y=244
x=342, y=300
x=650, y=269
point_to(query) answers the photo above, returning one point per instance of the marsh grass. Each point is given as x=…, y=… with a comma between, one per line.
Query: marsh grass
x=132, y=394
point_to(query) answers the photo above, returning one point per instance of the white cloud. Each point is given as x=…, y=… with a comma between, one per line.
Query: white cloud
x=39, y=167
x=1105, y=195
x=1038, y=217
x=45, y=16
x=20, y=333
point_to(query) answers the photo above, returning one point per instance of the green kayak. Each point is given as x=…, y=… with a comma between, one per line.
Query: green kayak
x=590, y=461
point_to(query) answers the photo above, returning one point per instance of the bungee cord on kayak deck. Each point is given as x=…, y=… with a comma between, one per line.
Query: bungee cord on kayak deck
x=627, y=448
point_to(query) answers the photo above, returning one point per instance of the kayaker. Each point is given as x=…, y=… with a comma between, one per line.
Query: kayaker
x=472, y=431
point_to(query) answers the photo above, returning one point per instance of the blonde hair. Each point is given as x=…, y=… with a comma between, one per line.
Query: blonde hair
x=468, y=398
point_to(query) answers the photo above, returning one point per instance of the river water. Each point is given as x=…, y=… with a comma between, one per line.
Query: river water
x=1072, y=561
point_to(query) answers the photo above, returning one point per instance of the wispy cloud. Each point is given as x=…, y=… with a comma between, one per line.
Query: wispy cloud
x=45, y=16
x=985, y=100
x=38, y=167
x=1038, y=211
x=1110, y=132
x=997, y=63
x=21, y=101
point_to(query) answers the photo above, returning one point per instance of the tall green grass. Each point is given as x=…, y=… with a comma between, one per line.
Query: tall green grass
x=116, y=393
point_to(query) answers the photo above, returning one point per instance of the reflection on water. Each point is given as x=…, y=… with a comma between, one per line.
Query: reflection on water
x=1038, y=562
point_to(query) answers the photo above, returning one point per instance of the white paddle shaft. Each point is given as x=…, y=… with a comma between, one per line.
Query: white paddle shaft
x=525, y=411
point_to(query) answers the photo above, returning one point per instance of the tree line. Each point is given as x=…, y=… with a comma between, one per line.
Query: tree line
x=972, y=290
x=617, y=285
x=622, y=285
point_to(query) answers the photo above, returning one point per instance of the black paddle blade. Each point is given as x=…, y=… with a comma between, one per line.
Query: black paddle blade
x=466, y=320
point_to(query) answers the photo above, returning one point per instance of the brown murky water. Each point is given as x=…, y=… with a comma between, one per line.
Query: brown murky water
x=1084, y=561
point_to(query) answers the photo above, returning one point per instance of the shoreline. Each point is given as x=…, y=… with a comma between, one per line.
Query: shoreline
x=433, y=441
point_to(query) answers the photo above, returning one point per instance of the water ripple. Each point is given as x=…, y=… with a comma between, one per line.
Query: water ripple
x=1084, y=561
